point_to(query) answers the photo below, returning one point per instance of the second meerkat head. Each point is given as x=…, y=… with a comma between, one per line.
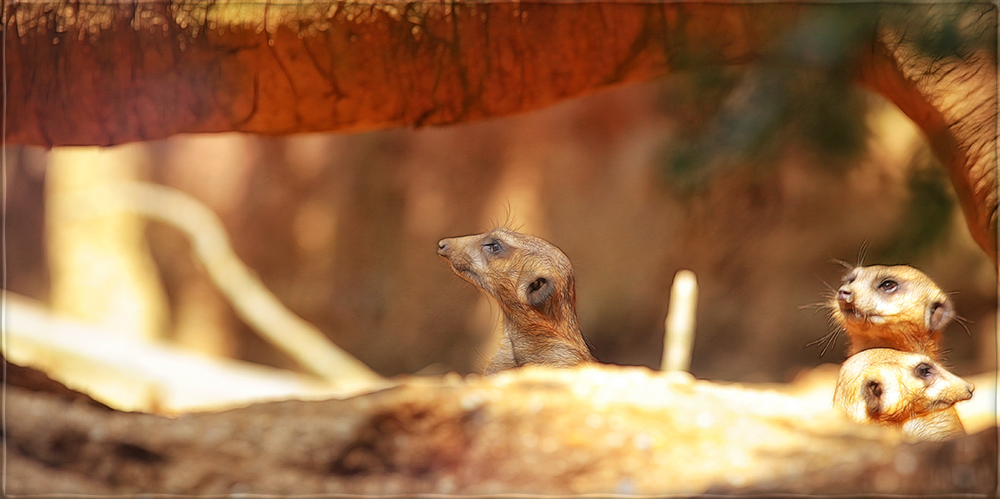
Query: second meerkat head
x=526, y=275
x=896, y=307
x=882, y=385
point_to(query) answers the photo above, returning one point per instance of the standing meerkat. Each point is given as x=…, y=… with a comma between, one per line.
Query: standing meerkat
x=892, y=307
x=534, y=284
x=906, y=390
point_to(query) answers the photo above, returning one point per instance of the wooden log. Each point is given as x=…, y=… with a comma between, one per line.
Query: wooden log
x=596, y=430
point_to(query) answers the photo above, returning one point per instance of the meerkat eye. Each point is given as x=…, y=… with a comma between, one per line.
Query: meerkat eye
x=923, y=370
x=888, y=286
x=493, y=247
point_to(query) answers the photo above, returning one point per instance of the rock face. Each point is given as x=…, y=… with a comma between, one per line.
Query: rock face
x=590, y=430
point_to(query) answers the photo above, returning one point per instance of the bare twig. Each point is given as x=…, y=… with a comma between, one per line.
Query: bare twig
x=160, y=378
x=249, y=297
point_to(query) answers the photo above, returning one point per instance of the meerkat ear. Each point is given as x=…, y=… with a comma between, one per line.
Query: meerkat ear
x=872, y=395
x=939, y=314
x=538, y=290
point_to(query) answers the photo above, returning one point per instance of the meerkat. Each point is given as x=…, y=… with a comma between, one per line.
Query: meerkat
x=534, y=284
x=906, y=390
x=892, y=307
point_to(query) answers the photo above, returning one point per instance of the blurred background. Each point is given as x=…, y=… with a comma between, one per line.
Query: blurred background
x=755, y=178
x=633, y=184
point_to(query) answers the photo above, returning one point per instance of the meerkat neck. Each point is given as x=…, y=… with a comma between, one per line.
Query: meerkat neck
x=543, y=344
x=901, y=336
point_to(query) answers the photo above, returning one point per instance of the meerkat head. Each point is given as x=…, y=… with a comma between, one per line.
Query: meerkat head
x=896, y=307
x=526, y=275
x=889, y=386
x=879, y=294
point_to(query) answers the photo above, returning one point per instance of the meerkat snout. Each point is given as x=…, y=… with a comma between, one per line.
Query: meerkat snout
x=443, y=247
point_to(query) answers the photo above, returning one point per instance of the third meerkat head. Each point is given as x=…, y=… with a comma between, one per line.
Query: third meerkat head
x=525, y=274
x=880, y=295
x=889, y=386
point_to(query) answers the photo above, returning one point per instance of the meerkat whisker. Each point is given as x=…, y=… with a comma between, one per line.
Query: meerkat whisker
x=962, y=321
x=862, y=253
x=814, y=306
x=842, y=263
x=826, y=341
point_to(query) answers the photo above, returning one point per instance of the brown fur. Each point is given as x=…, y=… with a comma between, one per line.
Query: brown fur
x=534, y=284
x=892, y=307
x=906, y=390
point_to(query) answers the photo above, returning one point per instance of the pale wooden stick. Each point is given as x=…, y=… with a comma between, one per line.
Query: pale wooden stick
x=680, y=322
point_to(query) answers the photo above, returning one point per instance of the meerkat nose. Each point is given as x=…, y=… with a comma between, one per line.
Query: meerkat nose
x=443, y=246
x=845, y=295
